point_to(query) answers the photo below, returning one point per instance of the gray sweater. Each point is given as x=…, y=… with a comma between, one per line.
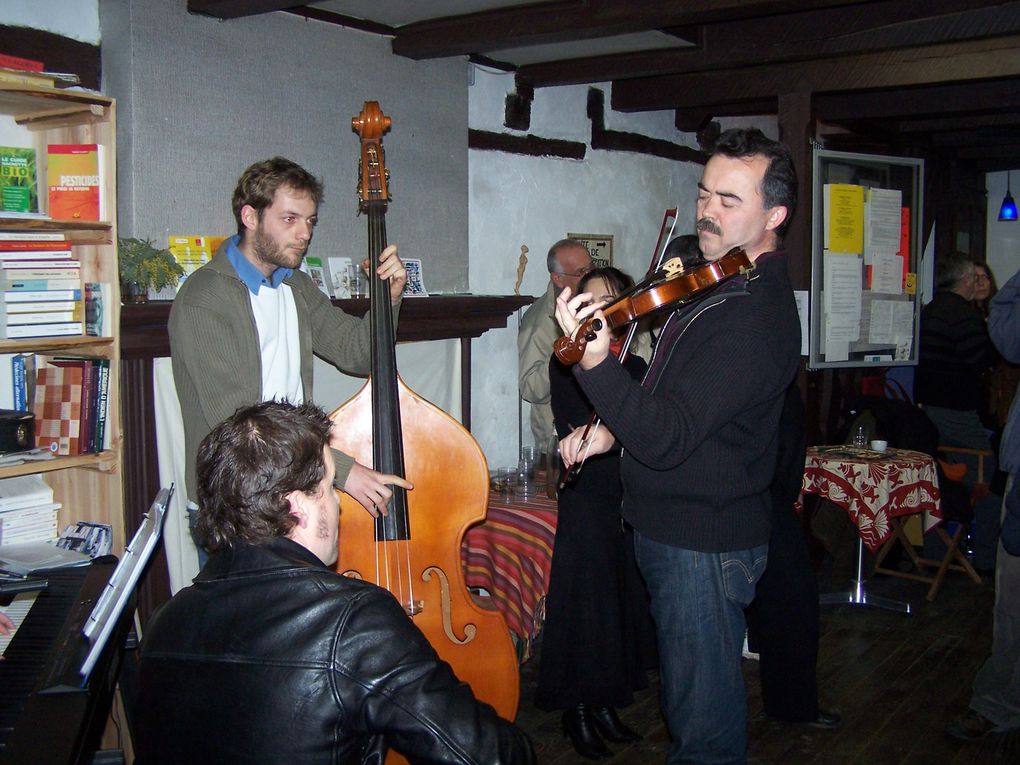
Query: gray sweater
x=214, y=347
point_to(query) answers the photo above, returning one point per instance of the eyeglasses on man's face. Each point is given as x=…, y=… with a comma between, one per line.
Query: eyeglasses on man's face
x=582, y=271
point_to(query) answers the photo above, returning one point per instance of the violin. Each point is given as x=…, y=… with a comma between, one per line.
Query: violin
x=668, y=288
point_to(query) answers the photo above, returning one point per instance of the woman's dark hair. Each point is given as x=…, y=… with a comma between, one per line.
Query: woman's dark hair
x=615, y=278
x=247, y=466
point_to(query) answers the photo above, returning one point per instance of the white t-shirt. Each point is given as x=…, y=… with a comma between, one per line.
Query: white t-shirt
x=279, y=347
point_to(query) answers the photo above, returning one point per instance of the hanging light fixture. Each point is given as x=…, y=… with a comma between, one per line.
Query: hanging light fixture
x=1008, y=210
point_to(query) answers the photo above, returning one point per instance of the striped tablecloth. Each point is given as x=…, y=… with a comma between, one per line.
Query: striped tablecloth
x=509, y=556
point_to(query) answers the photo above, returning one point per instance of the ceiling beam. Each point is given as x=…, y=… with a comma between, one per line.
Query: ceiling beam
x=546, y=23
x=235, y=9
x=929, y=101
x=789, y=37
x=954, y=62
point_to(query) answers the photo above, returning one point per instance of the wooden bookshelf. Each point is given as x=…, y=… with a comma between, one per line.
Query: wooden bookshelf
x=89, y=487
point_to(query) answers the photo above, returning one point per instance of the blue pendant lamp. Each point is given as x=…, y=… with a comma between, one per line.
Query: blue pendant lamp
x=1008, y=210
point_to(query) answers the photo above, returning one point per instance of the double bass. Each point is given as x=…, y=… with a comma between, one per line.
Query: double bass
x=414, y=551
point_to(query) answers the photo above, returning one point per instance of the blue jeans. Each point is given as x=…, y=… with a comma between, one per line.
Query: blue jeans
x=698, y=602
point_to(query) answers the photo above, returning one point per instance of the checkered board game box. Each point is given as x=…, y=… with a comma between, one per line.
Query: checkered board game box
x=57, y=408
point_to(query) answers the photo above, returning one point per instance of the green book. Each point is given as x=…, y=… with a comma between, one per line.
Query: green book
x=18, y=187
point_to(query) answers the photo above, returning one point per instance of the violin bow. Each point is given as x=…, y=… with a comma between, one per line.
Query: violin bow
x=592, y=426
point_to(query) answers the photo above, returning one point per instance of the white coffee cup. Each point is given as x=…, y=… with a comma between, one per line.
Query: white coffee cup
x=879, y=446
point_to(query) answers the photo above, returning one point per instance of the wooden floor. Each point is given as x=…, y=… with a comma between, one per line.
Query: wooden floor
x=896, y=679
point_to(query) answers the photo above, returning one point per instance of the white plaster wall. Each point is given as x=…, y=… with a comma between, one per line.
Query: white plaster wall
x=515, y=200
x=1002, y=245
x=77, y=19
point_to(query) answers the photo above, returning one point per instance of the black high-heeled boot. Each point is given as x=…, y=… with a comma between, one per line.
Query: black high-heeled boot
x=611, y=727
x=578, y=727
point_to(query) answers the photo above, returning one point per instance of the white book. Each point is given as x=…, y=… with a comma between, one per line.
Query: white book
x=24, y=491
x=6, y=256
x=7, y=380
x=32, y=236
x=35, y=306
x=63, y=329
x=27, y=296
x=42, y=510
x=39, y=317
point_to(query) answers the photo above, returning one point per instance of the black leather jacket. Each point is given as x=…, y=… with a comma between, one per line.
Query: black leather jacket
x=271, y=657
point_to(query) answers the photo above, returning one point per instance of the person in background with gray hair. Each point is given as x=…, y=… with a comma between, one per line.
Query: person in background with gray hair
x=955, y=351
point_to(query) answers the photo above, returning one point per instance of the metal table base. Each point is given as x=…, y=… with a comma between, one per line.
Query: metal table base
x=858, y=596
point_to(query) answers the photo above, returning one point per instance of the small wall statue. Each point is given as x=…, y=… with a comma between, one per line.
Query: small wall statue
x=522, y=263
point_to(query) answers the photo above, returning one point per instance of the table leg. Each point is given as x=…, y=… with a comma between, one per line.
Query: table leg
x=858, y=596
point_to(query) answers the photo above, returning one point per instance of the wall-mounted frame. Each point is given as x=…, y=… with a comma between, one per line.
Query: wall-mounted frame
x=599, y=245
x=866, y=246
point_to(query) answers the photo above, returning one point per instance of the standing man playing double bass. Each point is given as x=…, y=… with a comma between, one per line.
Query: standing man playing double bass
x=699, y=442
x=244, y=326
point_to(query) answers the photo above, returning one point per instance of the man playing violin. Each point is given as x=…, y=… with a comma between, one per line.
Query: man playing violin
x=699, y=439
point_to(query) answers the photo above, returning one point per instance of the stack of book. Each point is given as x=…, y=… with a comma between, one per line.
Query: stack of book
x=40, y=286
x=27, y=510
x=71, y=404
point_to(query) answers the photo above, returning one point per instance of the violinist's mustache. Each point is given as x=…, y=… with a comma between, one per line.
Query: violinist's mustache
x=706, y=225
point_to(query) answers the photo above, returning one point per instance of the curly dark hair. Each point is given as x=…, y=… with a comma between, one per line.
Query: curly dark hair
x=258, y=184
x=779, y=185
x=615, y=278
x=247, y=466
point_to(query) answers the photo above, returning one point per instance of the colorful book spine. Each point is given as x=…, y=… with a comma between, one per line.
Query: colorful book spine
x=18, y=187
x=40, y=305
x=102, y=405
x=25, y=242
x=27, y=296
x=37, y=285
x=74, y=181
x=40, y=317
x=19, y=273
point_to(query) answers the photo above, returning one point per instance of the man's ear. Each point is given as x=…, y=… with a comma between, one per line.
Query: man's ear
x=250, y=217
x=298, y=509
x=777, y=215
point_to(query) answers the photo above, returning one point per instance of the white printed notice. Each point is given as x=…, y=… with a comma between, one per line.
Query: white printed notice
x=842, y=301
x=892, y=322
x=887, y=274
x=882, y=223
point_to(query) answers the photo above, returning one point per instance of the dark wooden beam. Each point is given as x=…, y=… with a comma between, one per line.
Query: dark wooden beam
x=955, y=62
x=547, y=23
x=794, y=36
x=939, y=100
x=58, y=53
x=529, y=145
x=235, y=9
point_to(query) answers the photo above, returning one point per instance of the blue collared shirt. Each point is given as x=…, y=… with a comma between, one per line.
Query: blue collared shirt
x=251, y=276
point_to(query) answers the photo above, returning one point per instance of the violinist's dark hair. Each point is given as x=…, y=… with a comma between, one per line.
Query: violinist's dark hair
x=247, y=466
x=615, y=278
x=686, y=248
x=779, y=185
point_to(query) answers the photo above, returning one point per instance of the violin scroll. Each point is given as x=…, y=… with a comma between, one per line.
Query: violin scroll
x=569, y=350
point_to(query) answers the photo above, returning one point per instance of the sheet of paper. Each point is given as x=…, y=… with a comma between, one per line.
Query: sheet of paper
x=801, y=296
x=882, y=221
x=844, y=217
x=842, y=297
x=887, y=274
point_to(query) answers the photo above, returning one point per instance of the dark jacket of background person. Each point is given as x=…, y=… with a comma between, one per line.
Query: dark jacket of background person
x=285, y=661
x=955, y=351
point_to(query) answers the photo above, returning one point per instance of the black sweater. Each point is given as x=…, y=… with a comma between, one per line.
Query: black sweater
x=699, y=434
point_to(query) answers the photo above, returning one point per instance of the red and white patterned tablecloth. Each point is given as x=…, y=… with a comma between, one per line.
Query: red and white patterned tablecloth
x=509, y=556
x=874, y=487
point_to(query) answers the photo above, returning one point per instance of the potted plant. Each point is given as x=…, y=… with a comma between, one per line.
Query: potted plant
x=143, y=267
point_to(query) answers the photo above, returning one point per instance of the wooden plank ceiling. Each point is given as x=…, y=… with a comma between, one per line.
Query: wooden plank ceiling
x=933, y=78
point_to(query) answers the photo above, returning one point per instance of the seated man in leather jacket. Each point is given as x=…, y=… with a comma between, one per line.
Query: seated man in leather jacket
x=272, y=657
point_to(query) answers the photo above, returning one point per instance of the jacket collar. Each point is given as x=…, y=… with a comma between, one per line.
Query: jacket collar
x=240, y=559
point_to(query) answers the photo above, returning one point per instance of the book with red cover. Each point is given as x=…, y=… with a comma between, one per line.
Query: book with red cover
x=22, y=245
x=74, y=177
x=57, y=408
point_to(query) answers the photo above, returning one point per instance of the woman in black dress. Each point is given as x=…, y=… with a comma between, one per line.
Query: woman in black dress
x=598, y=637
